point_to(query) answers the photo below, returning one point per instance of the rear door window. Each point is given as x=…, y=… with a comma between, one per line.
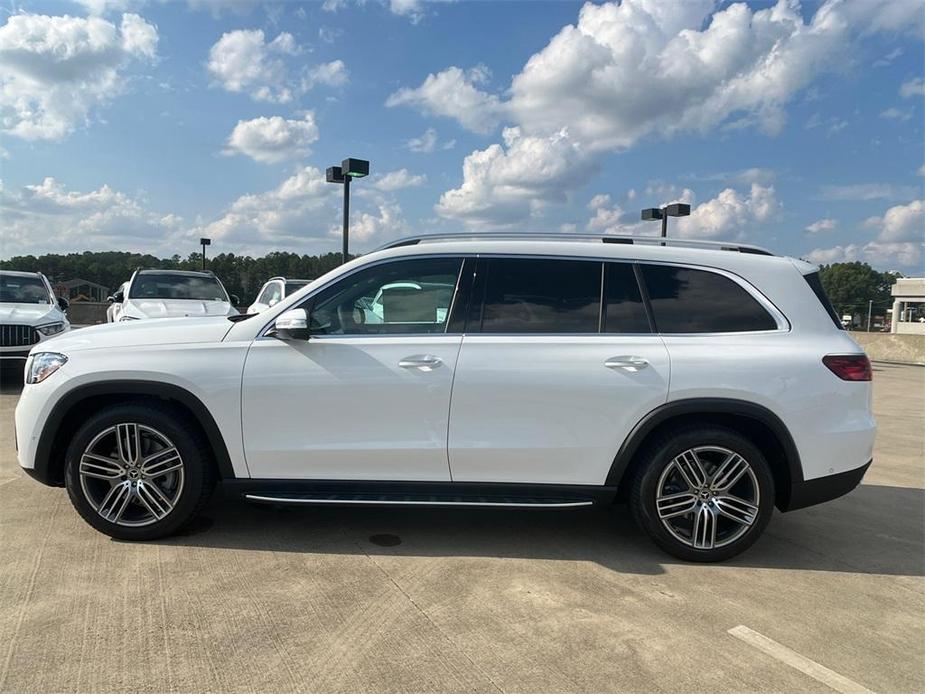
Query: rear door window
x=624, y=310
x=685, y=300
x=540, y=295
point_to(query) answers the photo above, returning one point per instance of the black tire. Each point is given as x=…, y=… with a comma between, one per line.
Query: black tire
x=193, y=489
x=655, y=461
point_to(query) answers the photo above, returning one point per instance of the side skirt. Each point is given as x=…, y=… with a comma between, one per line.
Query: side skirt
x=434, y=494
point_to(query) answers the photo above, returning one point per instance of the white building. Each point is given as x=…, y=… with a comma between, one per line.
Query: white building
x=909, y=306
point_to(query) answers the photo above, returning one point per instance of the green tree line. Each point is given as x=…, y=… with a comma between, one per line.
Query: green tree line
x=850, y=286
x=241, y=274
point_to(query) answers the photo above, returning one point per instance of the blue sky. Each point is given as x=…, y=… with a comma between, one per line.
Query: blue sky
x=142, y=125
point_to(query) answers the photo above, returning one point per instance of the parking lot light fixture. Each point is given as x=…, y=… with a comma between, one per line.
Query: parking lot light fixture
x=677, y=209
x=205, y=242
x=350, y=168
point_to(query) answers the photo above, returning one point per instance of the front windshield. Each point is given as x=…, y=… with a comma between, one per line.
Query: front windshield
x=199, y=288
x=17, y=289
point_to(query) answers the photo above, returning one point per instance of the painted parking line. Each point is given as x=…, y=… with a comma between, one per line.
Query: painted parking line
x=830, y=678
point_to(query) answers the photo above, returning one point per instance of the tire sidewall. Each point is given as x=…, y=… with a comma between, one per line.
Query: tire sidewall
x=661, y=455
x=168, y=423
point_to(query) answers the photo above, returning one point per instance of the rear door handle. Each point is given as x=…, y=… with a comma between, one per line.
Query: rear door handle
x=424, y=362
x=627, y=363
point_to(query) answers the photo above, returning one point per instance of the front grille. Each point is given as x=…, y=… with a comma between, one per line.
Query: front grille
x=18, y=336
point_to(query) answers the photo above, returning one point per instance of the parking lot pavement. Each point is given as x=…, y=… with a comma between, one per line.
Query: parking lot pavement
x=259, y=599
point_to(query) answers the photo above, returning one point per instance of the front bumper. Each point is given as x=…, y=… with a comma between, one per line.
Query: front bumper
x=822, y=489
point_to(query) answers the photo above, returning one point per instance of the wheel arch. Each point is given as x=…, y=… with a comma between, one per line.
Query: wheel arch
x=73, y=408
x=764, y=428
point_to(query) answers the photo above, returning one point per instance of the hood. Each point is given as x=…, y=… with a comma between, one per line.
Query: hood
x=29, y=314
x=170, y=331
x=176, y=308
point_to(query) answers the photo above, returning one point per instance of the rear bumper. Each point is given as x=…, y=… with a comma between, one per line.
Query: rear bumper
x=822, y=489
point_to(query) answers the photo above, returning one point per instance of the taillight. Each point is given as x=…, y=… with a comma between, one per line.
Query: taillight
x=849, y=367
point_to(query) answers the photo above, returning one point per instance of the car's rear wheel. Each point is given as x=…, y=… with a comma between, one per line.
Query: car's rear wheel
x=703, y=494
x=136, y=472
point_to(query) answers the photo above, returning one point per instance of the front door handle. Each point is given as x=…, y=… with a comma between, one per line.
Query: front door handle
x=627, y=363
x=424, y=362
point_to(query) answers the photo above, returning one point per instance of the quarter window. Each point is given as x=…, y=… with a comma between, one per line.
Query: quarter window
x=525, y=295
x=624, y=311
x=697, y=301
x=404, y=297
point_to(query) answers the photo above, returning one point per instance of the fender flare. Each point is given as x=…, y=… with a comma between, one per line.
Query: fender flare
x=705, y=406
x=44, y=450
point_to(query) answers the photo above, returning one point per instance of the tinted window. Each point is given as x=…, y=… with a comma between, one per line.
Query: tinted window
x=815, y=283
x=293, y=287
x=624, y=311
x=165, y=286
x=541, y=296
x=697, y=301
x=404, y=297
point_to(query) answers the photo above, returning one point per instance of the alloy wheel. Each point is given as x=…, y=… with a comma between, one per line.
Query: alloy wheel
x=707, y=497
x=131, y=474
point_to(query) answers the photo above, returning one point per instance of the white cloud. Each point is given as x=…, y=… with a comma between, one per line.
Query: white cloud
x=896, y=114
x=101, y=7
x=866, y=191
x=900, y=223
x=889, y=57
x=825, y=224
x=412, y=9
x=900, y=240
x=242, y=61
x=48, y=216
x=453, y=93
x=333, y=74
x=913, y=87
x=294, y=214
x=645, y=68
x=386, y=223
x=922, y=170
x=504, y=184
x=275, y=139
x=428, y=142
x=730, y=213
x=55, y=70
x=399, y=180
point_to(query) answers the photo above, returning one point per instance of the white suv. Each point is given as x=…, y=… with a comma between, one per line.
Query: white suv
x=704, y=384
x=30, y=313
x=171, y=294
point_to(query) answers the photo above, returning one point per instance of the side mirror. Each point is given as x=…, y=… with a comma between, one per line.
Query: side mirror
x=235, y=301
x=63, y=303
x=292, y=325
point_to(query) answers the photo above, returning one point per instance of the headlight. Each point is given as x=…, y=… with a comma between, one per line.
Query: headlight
x=50, y=329
x=41, y=365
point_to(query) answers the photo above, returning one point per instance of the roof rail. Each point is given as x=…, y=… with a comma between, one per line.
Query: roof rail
x=563, y=236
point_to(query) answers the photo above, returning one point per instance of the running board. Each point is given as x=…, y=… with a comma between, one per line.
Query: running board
x=418, y=500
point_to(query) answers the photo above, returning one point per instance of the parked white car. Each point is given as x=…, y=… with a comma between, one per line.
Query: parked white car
x=703, y=383
x=273, y=291
x=115, y=307
x=30, y=313
x=172, y=294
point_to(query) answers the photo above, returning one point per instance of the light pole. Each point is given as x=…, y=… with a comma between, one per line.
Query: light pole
x=678, y=209
x=204, y=242
x=349, y=168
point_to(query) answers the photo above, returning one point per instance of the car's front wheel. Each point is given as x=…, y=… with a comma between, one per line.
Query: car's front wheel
x=134, y=471
x=703, y=494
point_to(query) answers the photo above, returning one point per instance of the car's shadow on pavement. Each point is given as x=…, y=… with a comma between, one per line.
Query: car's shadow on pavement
x=874, y=530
